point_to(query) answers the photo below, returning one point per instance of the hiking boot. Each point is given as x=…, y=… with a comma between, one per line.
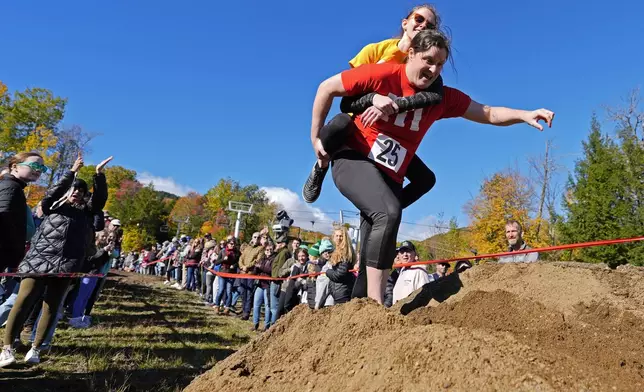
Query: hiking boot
x=245, y=317
x=226, y=311
x=33, y=356
x=7, y=357
x=313, y=186
x=254, y=328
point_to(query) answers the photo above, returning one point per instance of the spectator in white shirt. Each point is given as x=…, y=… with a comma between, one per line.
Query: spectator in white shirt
x=411, y=278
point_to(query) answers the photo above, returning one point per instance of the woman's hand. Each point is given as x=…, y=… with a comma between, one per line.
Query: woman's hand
x=371, y=115
x=385, y=104
x=101, y=166
x=532, y=118
x=78, y=163
x=320, y=153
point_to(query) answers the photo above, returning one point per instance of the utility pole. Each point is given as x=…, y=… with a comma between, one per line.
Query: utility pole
x=341, y=218
x=239, y=208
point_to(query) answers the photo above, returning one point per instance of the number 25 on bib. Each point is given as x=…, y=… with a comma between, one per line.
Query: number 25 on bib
x=388, y=152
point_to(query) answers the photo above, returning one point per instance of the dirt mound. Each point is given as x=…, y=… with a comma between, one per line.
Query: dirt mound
x=528, y=327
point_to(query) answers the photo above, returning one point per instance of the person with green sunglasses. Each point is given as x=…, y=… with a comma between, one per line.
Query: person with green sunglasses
x=13, y=207
x=35, y=166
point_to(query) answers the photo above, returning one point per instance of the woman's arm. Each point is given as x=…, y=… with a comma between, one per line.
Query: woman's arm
x=432, y=96
x=99, y=197
x=56, y=192
x=501, y=116
x=329, y=89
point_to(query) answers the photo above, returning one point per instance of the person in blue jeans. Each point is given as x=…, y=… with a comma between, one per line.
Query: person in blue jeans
x=228, y=261
x=192, y=263
x=282, y=254
x=263, y=268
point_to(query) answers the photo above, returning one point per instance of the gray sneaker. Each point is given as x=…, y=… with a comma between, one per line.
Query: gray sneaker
x=313, y=186
x=33, y=356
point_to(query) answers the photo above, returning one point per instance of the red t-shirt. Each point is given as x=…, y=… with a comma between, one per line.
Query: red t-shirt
x=392, y=142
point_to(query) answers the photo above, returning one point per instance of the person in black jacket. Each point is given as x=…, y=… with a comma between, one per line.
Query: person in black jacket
x=23, y=168
x=59, y=246
x=341, y=279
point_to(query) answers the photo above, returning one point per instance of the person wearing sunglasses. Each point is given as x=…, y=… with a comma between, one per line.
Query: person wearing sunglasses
x=371, y=168
x=333, y=135
x=22, y=169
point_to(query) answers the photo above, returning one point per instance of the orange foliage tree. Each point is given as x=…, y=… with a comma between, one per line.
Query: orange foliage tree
x=190, y=211
x=504, y=195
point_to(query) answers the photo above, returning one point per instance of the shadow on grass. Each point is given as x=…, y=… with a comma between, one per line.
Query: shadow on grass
x=158, y=380
x=126, y=358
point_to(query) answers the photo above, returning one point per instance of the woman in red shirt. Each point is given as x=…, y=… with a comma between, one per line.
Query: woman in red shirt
x=369, y=169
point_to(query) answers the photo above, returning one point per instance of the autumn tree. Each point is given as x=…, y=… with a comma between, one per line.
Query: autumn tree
x=26, y=112
x=115, y=177
x=226, y=190
x=141, y=207
x=192, y=207
x=504, y=195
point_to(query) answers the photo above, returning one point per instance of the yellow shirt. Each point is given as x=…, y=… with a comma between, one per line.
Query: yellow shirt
x=379, y=52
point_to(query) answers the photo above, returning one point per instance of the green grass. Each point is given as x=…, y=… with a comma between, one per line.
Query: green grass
x=146, y=336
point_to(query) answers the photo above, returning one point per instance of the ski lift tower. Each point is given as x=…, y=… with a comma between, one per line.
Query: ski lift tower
x=240, y=208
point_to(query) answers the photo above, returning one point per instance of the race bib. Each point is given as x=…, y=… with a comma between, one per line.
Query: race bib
x=388, y=152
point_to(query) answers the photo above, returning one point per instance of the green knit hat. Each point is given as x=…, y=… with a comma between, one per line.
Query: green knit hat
x=314, y=250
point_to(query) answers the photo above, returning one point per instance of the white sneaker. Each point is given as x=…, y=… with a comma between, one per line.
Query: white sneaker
x=7, y=357
x=167, y=282
x=33, y=356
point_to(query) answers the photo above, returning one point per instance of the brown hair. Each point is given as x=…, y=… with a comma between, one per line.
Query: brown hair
x=431, y=8
x=427, y=39
x=343, y=250
x=21, y=157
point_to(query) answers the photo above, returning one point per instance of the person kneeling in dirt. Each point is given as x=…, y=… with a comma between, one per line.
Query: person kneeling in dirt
x=411, y=278
x=514, y=235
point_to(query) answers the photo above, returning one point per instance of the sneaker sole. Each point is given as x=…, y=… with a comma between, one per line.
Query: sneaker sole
x=310, y=201
x=6, y=363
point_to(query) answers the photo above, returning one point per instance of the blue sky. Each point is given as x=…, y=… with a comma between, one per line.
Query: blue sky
x=189, y=92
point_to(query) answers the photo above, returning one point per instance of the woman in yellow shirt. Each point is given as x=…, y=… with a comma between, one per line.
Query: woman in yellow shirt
x=421, y=178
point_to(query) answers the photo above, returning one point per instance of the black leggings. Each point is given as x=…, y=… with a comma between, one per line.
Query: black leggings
x=421, y=179
x=377, y=196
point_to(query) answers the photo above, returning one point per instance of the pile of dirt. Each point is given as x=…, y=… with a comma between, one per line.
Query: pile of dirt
x=541, y=327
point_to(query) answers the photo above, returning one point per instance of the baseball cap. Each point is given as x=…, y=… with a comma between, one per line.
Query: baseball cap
x=116, y=222
x=406, y=245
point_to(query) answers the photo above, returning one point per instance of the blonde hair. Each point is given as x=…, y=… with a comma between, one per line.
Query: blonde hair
x=343, y=249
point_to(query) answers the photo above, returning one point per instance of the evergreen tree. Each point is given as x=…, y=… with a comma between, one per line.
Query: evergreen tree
x=597, y=202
